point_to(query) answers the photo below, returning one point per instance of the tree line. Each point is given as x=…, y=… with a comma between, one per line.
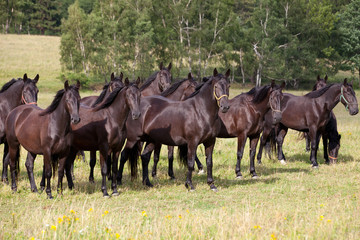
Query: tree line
x=259, y=40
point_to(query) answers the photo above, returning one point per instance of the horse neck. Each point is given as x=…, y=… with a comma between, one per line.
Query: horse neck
x=262, y=107
x=60, y=118
x=205, y=98
x=331, y=97
x=13, y=95
x=119, y=108
x=152, y=89
x=178, y=94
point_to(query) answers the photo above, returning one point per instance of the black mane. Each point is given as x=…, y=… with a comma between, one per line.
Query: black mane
x=173, y=87
x=54, y=103
x=110, y=99
x=149, y=81
x=9, y=84
x=261, y=93
x=318, y=93
x=102, y=95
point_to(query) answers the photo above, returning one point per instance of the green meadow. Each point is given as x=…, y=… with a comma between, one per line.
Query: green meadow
x=290, y=201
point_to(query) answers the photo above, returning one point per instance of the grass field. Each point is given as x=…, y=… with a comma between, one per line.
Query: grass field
x=287, y=202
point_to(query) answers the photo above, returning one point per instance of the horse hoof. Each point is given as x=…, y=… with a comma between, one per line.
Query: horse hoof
x=201, y=172
x=315, y=167
x=239, y=177
x=212, y=187
x=259, y=163
x=34, y=190
x=106, y=195
x=282, y=162
x=50, y=197
x=255, y=177
x=192, y=190
x=114, y=194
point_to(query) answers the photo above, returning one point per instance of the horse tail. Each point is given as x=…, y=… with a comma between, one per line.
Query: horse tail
x=270, y=144
x=134, y=154
x=182, y=151
x=301, y=135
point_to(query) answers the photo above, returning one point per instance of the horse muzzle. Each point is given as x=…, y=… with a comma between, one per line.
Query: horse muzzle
x=277, y=117
x=135, y=115
x=224, y=108
x=353, y=111
x=75, y=120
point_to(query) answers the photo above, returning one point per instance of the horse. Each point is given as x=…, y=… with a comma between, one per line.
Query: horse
x=185, y=124
x=12, y=94
x=245, y=119
x=92, y=101
x=103, y=128
x=158, y=82
x=310, y=113
x=178, y=91
x=52, y=138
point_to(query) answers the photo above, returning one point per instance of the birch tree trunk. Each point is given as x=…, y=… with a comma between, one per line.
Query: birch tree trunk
x=242, y=66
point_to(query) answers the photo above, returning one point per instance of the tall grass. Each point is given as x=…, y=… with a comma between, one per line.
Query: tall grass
x=286, y=202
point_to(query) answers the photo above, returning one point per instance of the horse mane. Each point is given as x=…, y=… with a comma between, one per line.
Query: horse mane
x=9, y=84
x=260, y=93
x=173, y=87
x=110, y=99
x=318, y=93
x=149, y=81
x=101, y=96
x=54, y=103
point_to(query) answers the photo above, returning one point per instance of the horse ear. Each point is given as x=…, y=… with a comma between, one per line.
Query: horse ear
x=326, y=78
x=161, y=66
x=121, y=76
x=137, y=82
x=112, y=77
x=25, y=77
x=318, y=78
x=77, y=84
x=205, y=79
x=66, y=85
x=189, y=75
x=272, y=84
x=282, y=85
x=227, y=74
x=215, y=72
x=36, y=79
x=345, y=81
x=127, y=82
x=169, y=67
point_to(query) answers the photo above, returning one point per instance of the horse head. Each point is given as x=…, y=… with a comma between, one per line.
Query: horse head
x=116, y=82
x=133, y=95
x=164, y=77
x=72, y=101
x=275, y=98
x=348, y=98
x=30, y=91
x=221, y=87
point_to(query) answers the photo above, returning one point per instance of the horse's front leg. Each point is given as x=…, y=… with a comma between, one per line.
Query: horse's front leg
x=253, y=144
x=171, y=162
x=263, y=139
x=145, y=159
x=307, y=140
x=48, y=172
x=13, y=155
x=191, y=151
x=240, y=151
x=124, y=157
x=209, y=149
x=115, y=160
x=157, y=150
x=325, y=144
x=280, y=136
x=30, y=159
x=92, y=164
x=315, y=139
x=103, y=165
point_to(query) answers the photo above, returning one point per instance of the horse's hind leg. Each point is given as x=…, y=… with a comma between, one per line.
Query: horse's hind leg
x=13, y=154
x=325, y=144
x=253, y=144
x=4, y=177
x=115, y=159
x=209, y=148
x=108, y=163
x=92, y=165
x=123, y=159
x=315, y=138
x=68, y=162
x=280, y=140
x=307, y=140
x=103, y=165
x=145, y=159
x=48, y=173
x=199, y=164
x=240, y=152
x=30, y=159
x=156, y=159
x=171, y=162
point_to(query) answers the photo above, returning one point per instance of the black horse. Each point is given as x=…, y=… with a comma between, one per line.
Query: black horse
x=13, y=94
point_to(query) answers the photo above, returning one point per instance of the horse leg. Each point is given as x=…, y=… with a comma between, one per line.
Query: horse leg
x=280, y=140
x=307, y=139
x=13, y=154
x=263, y=139
x=191, y=151
x=72, y=170
x=209, y=148
x=315, y=138
x=253, y=144
x=325, y=144
x=171, y=162
x=115, y=159
x=48, y=172
x=123, y=159
x=103, y=155
x=42, y=182
x=156, y=159
x=92, y=165
x=108, y=163
x=61, y=170
x=69, y=161
x=240, y=152
x=199, y=164
x=145, y=159
x=30, y=159
x=4, y=177
x=82, y=155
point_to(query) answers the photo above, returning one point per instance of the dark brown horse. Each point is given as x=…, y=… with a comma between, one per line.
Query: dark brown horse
x=246, y=116
x=185, y=123
x=310, y=113
x=177, y=92
x=45, y=132
x=103, y=128
x=13, y=94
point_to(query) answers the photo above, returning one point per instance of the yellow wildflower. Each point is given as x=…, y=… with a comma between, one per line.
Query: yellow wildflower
x=168, y=216
x=42, y=231
x=32, y=238
x=329, y=220
x=60, y=220
x=106, y=212
x=180, y=216
x=273, y=237
x=72, y=211
x=53, y=227
x=143, y=213
x=90, y=210
x=117, y=235
x=321, y=217
x=77, y=219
